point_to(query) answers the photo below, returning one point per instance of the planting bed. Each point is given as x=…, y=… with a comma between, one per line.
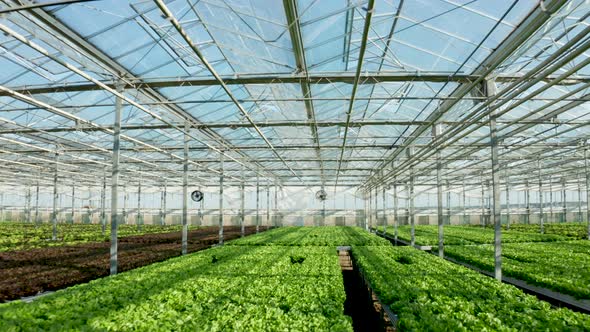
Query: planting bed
x=431, y=294
x=21, y=236
x=28, y=272
x=560, y=266
x=315, y=236
x=465, y=235
x=230, y=288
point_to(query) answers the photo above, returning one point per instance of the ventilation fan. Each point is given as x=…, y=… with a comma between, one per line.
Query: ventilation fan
x=321, y=195
x=197, y=195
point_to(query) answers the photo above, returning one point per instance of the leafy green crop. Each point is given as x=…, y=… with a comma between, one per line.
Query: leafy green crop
x=19, y=236
x=464, y=235
x=560, y=266
x=574, y=230
x=244, y=289
x=312, y=236
x=431, y=294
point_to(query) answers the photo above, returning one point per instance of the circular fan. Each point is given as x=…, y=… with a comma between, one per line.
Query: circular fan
x=321, y=195
x=197, y=195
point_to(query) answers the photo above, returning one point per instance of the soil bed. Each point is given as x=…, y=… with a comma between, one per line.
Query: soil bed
x=29, y=272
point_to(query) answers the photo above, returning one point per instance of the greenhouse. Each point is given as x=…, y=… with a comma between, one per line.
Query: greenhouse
x=295, y=165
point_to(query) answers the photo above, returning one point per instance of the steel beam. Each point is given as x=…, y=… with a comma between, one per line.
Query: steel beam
x=221, y=176
x=185, y=191
x=115, y=186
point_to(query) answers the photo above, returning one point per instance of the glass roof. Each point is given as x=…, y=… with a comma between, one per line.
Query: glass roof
x=301, y=92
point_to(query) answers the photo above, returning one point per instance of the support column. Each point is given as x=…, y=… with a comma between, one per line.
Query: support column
x=276, y=209
x=268, y=204
x=439, y=195
x=73, y=203
x=103, y=203
x=162, y=205
x=55, y=198
x=395, y=209
x=483, y=211
x=448, y=203
x=541, y=217
x=370, y=210
x=376, y=209
x=465, y=221
x=165, y=199
x=384, y=213
x=28, y=204
x=115, y=183
x=2, y=207
x=552, y=217
x=497, y=208
x=221, y=200
x=527, y=198
x=587, y=170
x=36, y=204
x=564, y=201
x=184, y=247
x=507, y=200
x=257, y=205
x=242, y=203
x=366, y=212
x=409, y=153
x=580, y=219
x=138, y=221
x=125, y=200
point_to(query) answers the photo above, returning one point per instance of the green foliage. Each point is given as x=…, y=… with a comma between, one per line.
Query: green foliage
x=312, y=236
x=19, y=236
x=560, y=266
x=247, y=289
x=574, y=230
x=465, y=235
x=431, y=294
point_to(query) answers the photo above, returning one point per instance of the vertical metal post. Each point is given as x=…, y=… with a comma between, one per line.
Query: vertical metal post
x=242, y=203
x=366, y=212
x=497, y=208
x=115, y=183
x=448, y=203
x=439, y=194
x=73, y=203
x=185, y=191
x=395, y=209
x=257, y=205
x=103, y=203
x=384, y=213
x=586, y=169
x=323, y=212
x=409, y=152
x=164, y=199
x=507, y=200
x=579, y=198
x=552, y=218
x=527, y=198
x=268, y=204
x=221, y=199
x=563, y=201
x=276, y=209
x=483, y=213
x=138, y=215
x=28, y=204
x=541, y=217
x=36, y=203
x=1, y=206
x=370, y=210
x=464, y=205
x=376, y=209
x=125, y=199
x=55, y=198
